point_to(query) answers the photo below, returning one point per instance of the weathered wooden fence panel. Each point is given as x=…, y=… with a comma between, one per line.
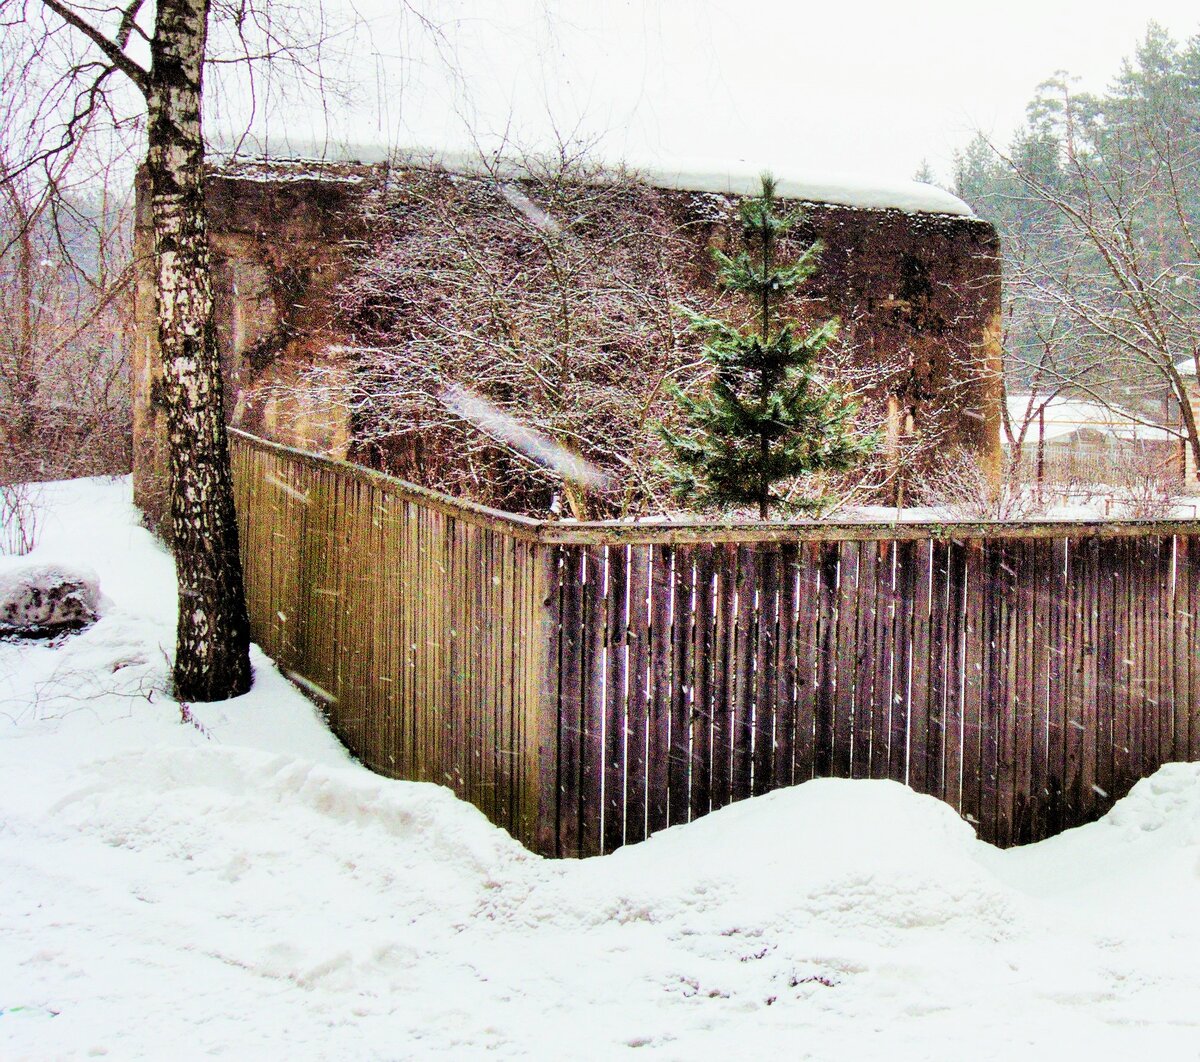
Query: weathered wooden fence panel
x=586, y=685
x=420, y=630
x=1027, y=682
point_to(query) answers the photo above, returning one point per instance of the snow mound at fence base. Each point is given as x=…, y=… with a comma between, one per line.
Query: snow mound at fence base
x=228, y=881
x=871, y=857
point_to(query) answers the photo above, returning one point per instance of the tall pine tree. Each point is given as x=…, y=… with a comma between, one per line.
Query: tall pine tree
x=766, y=416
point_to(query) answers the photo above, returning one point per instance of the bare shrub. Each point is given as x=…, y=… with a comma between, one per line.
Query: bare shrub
x=548, y=286
x=1145, y=486
x=66, y=274
x=900, y=470
x=545, y=286
x=66, y=301
x=20, y=518
x=963, y=489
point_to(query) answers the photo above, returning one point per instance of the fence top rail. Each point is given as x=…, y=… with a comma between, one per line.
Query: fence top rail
x=510, y=523
x=695, y=530
x=680, y=532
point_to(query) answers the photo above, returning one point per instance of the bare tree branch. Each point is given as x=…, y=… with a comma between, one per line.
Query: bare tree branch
x=113, y=50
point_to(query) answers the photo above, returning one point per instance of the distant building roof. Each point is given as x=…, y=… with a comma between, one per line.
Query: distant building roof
x=1065, y=417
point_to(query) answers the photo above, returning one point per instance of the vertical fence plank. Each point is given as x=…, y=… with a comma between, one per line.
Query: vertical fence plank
x=785, y=669
x=1166, y=649
x=1024, y=696
x=1153, y=650
x=438, y=651
x=475, y=721
x=880, y=628
x=401, y=543
x=843, y=694
x=1142, y=750
x=486, y=628
x=591, y=737
x=991, y=673
x=421, y=605
x=479, y=712
x=743, y=709
x=659, y=749
x=508, y=684
x=883, y=632
x=1038, y=553
x=920, y=729
x=955, y=670
x=700, y=794
x=808, y=652
x=904, y=595
x=1058, y=630
x=1187, y=631
x=976, y=629
x=1191, y=554
x=615, y=727
x=1087, y=801
x=1131, y=662
x=868, y=741
x=538, y=654
x=682, y=612
x=456, y=734
x=724, y=674
x=1122, y=690
x=571, y=701
x=767, y=581
x=1073, y=668
x=528, y=650
x=1010, y=703
x=830, y=561
x=460, y=728
x=380, y=578
x=1104, y=626
x=1151, y=754
x=939, y=640
x=1181, y=640
x=639, y=687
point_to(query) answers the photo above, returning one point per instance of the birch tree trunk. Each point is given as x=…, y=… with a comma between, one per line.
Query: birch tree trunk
x=212, y=642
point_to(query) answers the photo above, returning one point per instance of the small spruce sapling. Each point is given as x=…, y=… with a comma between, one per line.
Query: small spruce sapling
x=766, y=416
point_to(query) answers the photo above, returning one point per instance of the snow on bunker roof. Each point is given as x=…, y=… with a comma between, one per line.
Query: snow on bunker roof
x=910, y=197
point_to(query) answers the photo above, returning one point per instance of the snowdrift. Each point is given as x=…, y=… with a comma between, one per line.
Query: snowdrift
x=226, y=880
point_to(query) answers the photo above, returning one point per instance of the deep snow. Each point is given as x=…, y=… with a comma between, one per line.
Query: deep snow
x=232, y=884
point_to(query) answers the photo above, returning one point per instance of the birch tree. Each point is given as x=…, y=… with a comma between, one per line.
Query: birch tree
x=212, y=640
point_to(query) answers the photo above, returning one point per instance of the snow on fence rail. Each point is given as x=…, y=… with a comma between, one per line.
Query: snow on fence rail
x=586, y=685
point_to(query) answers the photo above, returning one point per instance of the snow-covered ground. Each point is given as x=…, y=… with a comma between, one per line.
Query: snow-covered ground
x=234, y=885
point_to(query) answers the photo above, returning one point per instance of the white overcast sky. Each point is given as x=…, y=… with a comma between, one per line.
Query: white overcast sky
x=837, y=87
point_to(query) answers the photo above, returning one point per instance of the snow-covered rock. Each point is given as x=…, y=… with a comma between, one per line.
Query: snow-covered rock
x=39, y=599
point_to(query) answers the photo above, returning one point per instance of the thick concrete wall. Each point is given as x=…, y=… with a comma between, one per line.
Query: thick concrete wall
x=920, y=291
x=277, y=256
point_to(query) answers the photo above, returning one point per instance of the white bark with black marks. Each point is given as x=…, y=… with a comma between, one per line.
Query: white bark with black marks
x=212, y=643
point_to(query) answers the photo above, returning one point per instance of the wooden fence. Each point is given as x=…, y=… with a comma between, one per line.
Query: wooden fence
x=586, y=685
